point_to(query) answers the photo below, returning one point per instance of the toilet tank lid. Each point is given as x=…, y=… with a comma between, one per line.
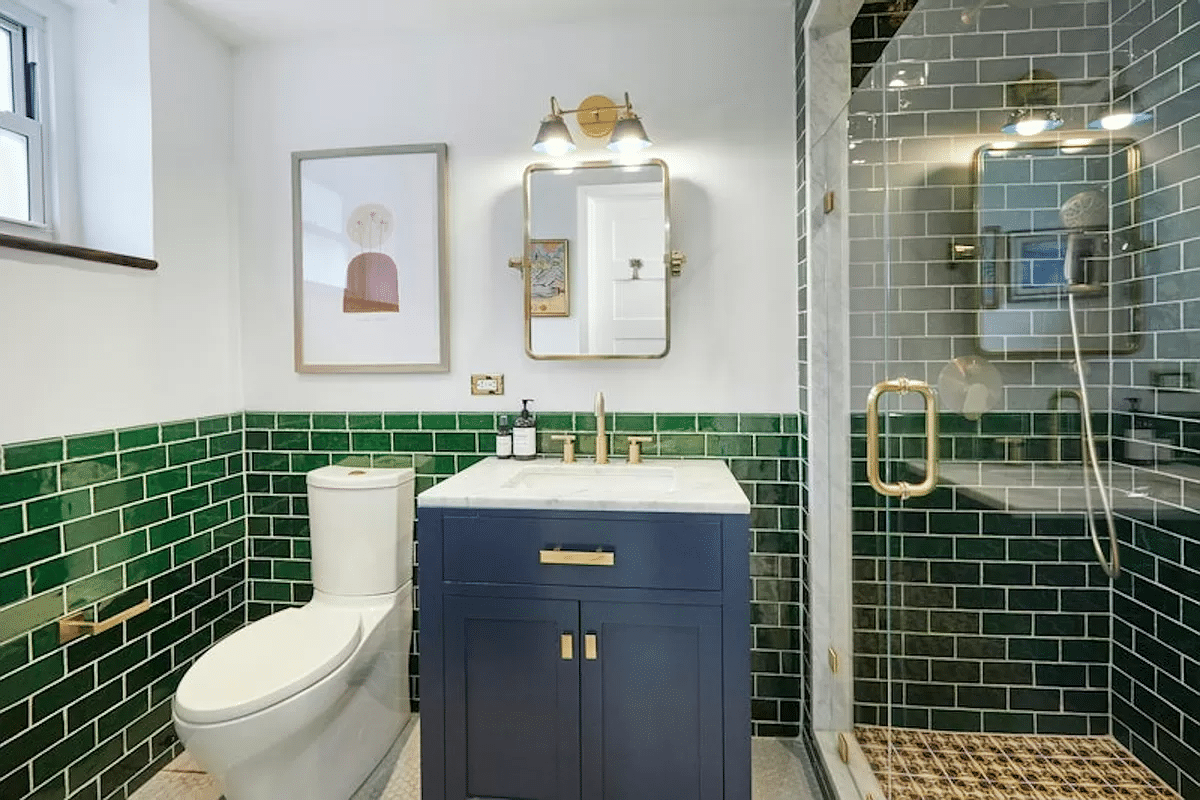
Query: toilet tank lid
x=336, y=477
x=267, y=661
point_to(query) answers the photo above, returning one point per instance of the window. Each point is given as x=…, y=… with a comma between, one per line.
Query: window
x=22, y=134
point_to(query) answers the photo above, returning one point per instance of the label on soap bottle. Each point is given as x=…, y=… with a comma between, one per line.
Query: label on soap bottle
x=524, y=442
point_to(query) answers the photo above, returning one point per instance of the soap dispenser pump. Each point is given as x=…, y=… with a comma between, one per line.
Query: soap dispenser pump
x=525, y=434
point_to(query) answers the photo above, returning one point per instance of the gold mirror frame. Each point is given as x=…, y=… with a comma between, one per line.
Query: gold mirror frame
x=672, y=261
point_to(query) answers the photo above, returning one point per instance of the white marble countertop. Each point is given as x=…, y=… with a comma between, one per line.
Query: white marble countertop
x=688, y=486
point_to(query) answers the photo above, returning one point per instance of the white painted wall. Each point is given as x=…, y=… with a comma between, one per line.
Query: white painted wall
x=716, y=94
x=86, y=347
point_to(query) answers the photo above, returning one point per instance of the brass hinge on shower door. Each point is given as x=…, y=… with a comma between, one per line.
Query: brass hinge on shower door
x=902, y=489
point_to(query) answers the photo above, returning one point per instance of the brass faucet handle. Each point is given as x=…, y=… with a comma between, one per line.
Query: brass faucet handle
x=635, y=447
x=568, y=440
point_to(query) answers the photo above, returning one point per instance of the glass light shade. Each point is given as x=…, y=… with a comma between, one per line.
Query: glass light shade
x=553, y=138
x=1031, y=122
x=1114, y=118
x=628, y=135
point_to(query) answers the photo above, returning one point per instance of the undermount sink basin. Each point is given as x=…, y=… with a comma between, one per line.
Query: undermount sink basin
x=595, y=477
x=692, y=485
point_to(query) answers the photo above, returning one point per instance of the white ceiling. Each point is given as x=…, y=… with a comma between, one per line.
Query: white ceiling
x=242, y=22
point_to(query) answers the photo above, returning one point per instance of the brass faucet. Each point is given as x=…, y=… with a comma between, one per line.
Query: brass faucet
x=601, y=437
x=1055, y=404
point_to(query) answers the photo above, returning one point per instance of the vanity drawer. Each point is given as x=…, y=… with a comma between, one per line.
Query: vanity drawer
x=648, y=552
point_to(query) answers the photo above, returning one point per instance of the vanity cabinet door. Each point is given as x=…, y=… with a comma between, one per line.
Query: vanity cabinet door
x=652, y=715
x=512, y=698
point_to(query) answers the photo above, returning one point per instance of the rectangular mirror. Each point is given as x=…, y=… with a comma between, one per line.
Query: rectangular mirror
x=1052, y=218
x=597, y=277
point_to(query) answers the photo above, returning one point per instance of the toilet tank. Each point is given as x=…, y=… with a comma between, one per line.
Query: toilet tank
x=361, y=526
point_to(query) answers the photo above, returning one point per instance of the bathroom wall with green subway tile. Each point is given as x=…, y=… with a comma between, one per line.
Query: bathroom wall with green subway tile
x=99, y=523
x=761, y=449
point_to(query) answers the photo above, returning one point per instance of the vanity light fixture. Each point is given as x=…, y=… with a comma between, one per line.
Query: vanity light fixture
x=1121, y=111
x=1032, y=121
x=598, y=117
x=1033, y=99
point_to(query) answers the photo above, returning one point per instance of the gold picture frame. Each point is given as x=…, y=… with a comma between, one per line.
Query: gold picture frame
x=549, y=278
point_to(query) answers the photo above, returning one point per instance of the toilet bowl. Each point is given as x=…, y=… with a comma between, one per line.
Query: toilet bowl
x=304, y=704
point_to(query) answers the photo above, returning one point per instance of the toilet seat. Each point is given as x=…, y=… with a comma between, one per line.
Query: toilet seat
x=271, y=659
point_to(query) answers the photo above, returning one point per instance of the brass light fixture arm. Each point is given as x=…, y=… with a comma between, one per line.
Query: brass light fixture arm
x=557, y=111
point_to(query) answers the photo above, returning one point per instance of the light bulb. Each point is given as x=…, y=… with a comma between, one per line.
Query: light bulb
x=1032, y=127
x=1114, y=122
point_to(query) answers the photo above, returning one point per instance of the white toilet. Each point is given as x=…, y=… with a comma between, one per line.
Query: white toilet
x=306, y=704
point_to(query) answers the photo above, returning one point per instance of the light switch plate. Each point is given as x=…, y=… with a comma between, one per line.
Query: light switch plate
x=487, y=384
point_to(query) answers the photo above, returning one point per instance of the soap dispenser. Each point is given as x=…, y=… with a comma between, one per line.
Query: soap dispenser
x=504, y=438
x=1139, y=445
x=525, y=434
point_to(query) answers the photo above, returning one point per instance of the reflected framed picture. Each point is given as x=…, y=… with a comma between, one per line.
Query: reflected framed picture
x=369, y=251
x=1035, y=264
x=548, y=278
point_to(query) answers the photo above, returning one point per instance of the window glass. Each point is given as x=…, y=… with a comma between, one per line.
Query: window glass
x=6, y=71
x=14, y=161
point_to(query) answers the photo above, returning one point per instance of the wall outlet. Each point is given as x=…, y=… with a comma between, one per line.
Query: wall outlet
x=487, y=384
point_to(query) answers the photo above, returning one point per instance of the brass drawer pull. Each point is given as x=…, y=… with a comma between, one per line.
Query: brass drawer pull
x=590, y=641
x=578, y=558
x=566, y=646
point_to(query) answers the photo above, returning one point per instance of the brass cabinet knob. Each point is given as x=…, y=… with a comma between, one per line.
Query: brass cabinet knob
x=635, y=448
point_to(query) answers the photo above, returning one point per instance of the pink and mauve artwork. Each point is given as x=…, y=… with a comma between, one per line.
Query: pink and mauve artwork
x=372, y=280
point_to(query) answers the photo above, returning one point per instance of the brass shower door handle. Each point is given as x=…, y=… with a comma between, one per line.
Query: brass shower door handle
x=903, y=489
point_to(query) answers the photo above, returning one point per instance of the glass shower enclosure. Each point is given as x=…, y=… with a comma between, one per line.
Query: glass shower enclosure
x=1004, y=324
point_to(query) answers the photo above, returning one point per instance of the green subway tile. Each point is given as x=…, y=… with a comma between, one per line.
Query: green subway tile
x=144, y=514
x=558, y=423
x=439, y=422
x=680, y=423
x=412, y=442
x=269, y=505
x=270, y=462
x=27, y=549
x=31, y=679
x=230, y=487
x=760, y=423
x=210, y=517
x=32, y=454
x=146, y=567
x=209, y=426
x=1007, y=424
x=13, y=655
x=259, y=420
x=293, y=422
x=587, y=422
x=92, y=444
x=783, y=446
x=111, y=495
x=365, y=422
x=95, y=587
x=303, y=548
x=462, y=462
x=91, y=530
x=30, y=615
x=17, y=486
x=777, y=494
x=13, y=587
x=11, y=521
x=138, y=437
x=177, y=431
x=434, y=465
x=225, y=444
x=193, y=548
x=717, y=423
x=59, y=508
x=635, y=423
x=333, y=442
x=237, y=506
x=227, y=534
x=136, y=462
x=424, y=483
x=791, y=424
x=292, y=570
x=392, y=461
x=680, y=444
x=183, y=502
x=54, y=573
x=74, y=474
x=401, y=422
x=233, y=464
x=207, y=470
x=120, y=549
x=271, y=591
x=454, y=442
x=481, y=422
x=186, y=452
x=329, y=422
x=307, y=462
x=351, y=460
x=754, y=469
x=728, y=445
x=289, y=440
x=371, y=441
x=167, y=481
x=169, y=532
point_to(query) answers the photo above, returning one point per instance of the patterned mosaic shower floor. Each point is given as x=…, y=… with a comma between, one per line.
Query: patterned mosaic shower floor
x=926, y=765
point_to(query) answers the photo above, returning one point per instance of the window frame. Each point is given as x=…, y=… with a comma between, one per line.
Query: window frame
x=27, y=119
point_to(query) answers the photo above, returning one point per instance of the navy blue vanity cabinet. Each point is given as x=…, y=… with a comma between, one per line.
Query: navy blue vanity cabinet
x=574, y=655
